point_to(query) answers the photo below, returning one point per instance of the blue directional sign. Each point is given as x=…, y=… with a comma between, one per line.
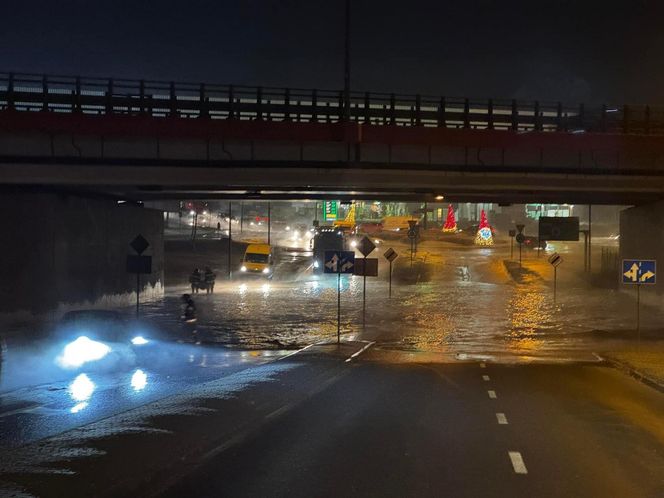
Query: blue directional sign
x=339, y=261
x=639, y=271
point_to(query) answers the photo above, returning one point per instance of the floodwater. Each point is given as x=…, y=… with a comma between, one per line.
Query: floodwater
x=465, y=302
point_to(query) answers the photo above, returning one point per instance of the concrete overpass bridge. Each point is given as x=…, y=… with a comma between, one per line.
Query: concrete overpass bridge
x=162, y=140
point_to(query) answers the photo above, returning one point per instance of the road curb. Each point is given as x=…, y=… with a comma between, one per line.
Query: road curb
x=632, y=372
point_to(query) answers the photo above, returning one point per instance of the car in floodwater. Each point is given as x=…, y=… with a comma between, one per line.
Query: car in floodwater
x=99, y=338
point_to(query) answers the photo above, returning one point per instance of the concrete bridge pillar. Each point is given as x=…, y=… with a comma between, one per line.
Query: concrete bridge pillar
x=67, y=251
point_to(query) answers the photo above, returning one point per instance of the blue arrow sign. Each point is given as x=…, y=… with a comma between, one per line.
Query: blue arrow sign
x=339, y=261
x=639, y=271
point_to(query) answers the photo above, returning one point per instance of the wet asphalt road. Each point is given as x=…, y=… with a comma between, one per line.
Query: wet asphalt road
x=56, y=400
x=458, y=430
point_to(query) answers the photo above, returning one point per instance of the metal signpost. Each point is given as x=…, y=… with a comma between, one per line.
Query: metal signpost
x=390, y=255
x=366, y=247
x=339, y=262
x=639, y=272
x=520, y=239
x=139, y=264
x=512, y=234
x=555, y=259
x=412, y=235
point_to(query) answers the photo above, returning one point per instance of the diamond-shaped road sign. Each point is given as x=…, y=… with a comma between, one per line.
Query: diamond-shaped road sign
x=555, y=259
x=139, y=244
x=339, y=261
x=390, y=255
x=366, y=246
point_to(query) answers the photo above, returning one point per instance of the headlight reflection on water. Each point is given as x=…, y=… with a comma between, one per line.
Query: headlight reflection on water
x=81, y=390
x=139, y=380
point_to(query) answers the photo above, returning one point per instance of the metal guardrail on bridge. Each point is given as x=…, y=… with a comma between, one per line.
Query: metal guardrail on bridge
x=29, y=92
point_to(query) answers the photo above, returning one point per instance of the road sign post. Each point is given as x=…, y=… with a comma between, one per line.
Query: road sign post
x=639, y=272
x=366, y=247
x=512, y=234
x=339, y=262
x=412, y=235
x=520, y=239
x=390, y=255
x=555, y=259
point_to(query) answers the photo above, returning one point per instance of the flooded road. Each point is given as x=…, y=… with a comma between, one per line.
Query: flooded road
x=467, y=300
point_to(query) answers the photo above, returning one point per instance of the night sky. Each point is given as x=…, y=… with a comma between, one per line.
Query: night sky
x=611, y=51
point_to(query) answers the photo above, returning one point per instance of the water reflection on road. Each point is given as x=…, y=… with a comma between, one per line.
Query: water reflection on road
x=485, y=312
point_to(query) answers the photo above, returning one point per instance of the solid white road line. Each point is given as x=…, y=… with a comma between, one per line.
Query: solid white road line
x=517, y=462
x=486, y=378
x=492, y=394
x=295, y=352
x=355, y=355
x=482, y=365
x=502, y=419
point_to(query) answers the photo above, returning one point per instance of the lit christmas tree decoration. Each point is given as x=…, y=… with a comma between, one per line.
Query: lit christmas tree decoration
x=484, y=236
x=450, y=223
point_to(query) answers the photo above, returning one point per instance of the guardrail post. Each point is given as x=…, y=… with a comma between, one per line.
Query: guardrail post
x=559, y=117
x=647, y=123
x=418, y=110
x=367, y=114
x=203, y=112
x=259, y=103
x=582, y=116
x=10, y=91
x=173, y=101
x=342, y=105
x=287, y=104
x=141, y=97
x=515, y=116
x=625, y=119
x=442, y=113
x=393, y=112
x=490, y=115
x=536, y=117
x=109, y=97
x=466, y=113
x=231, y=102
x=314, y=106
x=77, y=95
x=45, y=93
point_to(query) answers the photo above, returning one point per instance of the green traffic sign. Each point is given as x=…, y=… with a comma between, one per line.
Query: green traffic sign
x=330, y=210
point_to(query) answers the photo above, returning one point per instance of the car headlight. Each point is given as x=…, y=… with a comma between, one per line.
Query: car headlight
x=139, y=340
x=82, y=350
x=316, y=264
x=266, y=270
x=353, y=243
x=243, y=268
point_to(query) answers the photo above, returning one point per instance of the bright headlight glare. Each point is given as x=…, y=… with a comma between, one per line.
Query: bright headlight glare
x=243, y=268
x=139, y=340
x=82, y=350
x=266, y=270
x=316, y=264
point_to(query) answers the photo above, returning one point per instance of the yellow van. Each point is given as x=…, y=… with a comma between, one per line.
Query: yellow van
x=258, y=260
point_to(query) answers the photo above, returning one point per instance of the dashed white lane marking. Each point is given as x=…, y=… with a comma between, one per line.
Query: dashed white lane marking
x=486, y=378
x=482, y=365
x=355, y=355
x=517, y=462
x=502, y=419
x=492, y=394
